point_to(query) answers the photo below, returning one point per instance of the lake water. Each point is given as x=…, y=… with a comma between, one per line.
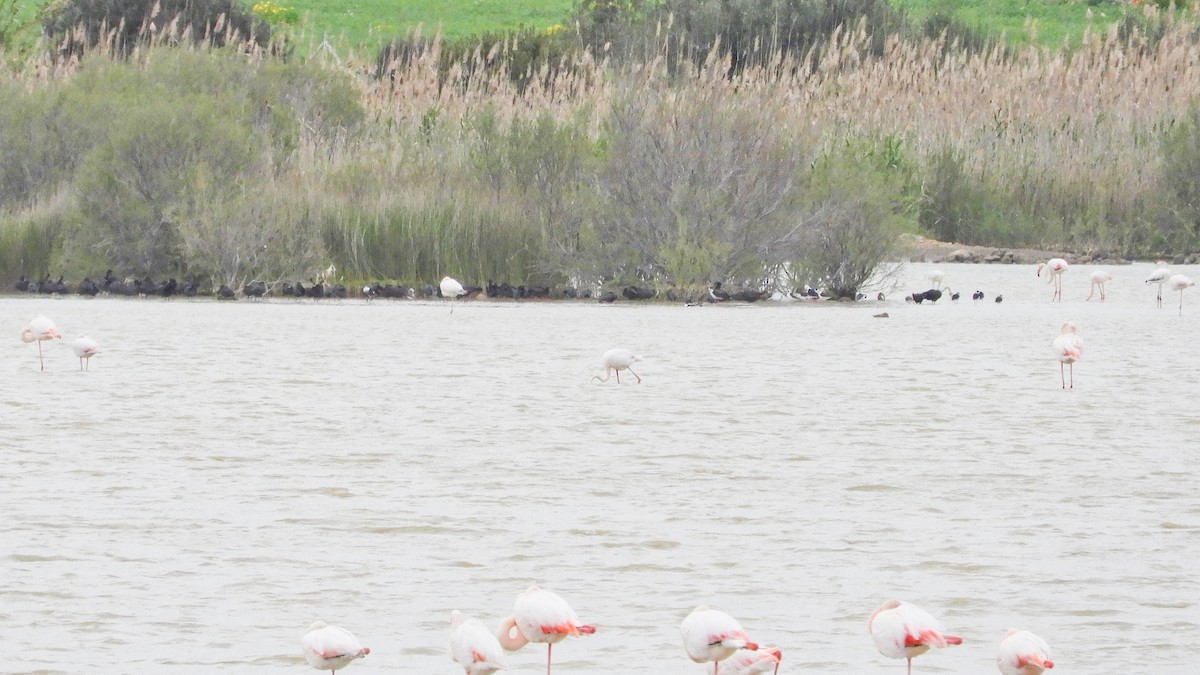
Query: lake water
x=227, y=473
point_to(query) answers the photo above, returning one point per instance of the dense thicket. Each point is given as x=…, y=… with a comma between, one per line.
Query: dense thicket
x=229, y=164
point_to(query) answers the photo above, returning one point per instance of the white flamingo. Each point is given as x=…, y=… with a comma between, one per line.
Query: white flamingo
x=85, y=348
x=747, y=662
x=1099, y=278
x=540, y=616
x=452, y=290
x=936, y=277
x=1159, y=277
x=1068, y=349
x=614, y=361
x=474, y=647
x=710, y=635
x=331, y=648
x=1178, y=282
x=902, y=630
x=1054, y=271
x=1023, y=653
x=39, y=330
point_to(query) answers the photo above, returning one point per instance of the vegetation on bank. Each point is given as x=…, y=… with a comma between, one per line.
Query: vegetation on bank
x=638, y=149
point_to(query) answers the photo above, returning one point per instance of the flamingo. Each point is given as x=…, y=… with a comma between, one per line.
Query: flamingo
x=1178, y=282
x=936, y=277
x=473, y=647
x=330, y=647
x=1067, y=349
x=902, y=630
x=85, y=348
x=41, y=329
x=451, y=289
x=1099, y=278
x=614, y=361
x=1054, y=271
x=746, y=662
x=1159, y=276
x=1023, y=653
x=712, y=635
x=540, y=616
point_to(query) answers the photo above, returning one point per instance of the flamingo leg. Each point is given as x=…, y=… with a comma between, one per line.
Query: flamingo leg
x=1061, y=376
x=618, y=372
x=1180, y=303
x=635, y=375
x=1160, y=295
x=549, y=650
x=1072, y=375
x=910, y=665
x=42, y=362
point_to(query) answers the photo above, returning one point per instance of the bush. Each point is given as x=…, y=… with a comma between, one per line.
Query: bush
x=117, y=26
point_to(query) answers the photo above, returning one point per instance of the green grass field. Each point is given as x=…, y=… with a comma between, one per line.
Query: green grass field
x=372, y=22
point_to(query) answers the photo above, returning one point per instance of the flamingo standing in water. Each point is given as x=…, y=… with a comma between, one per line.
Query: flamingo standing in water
x=1023, y=653
x=902, y=631
x=936, y=277
x=712, y=635
x=85, y=348
x=1054, y=271
x=473, y=647
x=540, y=616
x=39, y=330
x=1159, y=276
x=451, y=289
x=1099, y=278
x=331, y=648
x=746, y=662
x=1068, y=349
x=616, y=360
x=1178, y=282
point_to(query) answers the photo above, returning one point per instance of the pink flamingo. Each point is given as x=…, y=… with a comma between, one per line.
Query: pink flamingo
x=616, y=360
x=1068, y=349
x=1178, y=282
x=451, y=290
x=540, y=616
x=746, y=662
x=712, y=635
x=1159, y=276
x=331, y=648
x=473, y=647
x=1023, y=653
x=85, y=348
x=41, y=329
x=902, y=631
x=1099, y=278
x=1054, y=271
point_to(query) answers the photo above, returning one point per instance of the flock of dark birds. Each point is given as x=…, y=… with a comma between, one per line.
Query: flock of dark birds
x=110, y=285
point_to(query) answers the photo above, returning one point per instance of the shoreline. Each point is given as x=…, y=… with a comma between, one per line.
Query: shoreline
x=918, y=249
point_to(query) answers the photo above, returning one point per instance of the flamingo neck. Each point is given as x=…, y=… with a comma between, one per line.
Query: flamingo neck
x=27, y=335
x=510, y=637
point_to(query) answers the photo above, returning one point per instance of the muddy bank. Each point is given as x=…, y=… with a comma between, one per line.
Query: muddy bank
x=920, y=249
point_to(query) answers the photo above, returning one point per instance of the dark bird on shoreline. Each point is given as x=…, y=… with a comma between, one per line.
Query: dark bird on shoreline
x=608, y=297
x=999, y=298
x=638, y=293
x=977, y=295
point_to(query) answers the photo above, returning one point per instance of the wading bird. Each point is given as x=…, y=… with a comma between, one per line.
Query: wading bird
x=451, y=290
x=614, y=361
x=1099, y=278
x=1023, y=653
x=1159, y=277
x=39, y=330
x=540, y=616
x=1054, y=271
x=473, y=646
x=710, y=635
x=936, y=277
x=85, y=348
x=1068, y=349
x=1178, y=282
x=902, y=631
x=331, y=648
x=746, y=662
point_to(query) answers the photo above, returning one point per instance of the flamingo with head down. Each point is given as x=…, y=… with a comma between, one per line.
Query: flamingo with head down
x=1099, y=278
x=474, y=647
x=40, y=330
x=540, y=616
x=1068, y=349
x=710, y=635
x=902, y=631
x=330, y=647
x=1023, y=653
x=1054, y=271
